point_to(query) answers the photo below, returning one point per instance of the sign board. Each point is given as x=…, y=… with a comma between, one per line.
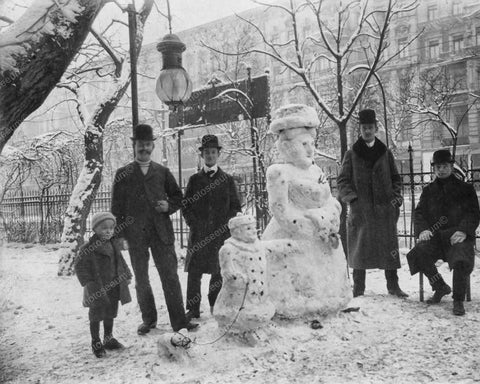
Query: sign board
x=201, y=109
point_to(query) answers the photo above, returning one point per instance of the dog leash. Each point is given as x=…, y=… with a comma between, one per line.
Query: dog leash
x=230, y=326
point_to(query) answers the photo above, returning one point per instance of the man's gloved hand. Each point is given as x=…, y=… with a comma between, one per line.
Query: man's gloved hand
x=458, y=237
x=123, y=244
x=425, y=235
x=162, y=206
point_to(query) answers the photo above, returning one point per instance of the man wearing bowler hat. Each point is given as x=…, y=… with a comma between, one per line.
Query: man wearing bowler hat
x=211, y=199
x=446, y=218
x=144, y=196
x=369, y=182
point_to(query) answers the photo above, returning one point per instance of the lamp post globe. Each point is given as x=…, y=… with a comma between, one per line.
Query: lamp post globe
x=174, y=86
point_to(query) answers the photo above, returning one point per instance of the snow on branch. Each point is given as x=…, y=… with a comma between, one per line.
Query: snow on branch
x=118, y=61
x=35, y=23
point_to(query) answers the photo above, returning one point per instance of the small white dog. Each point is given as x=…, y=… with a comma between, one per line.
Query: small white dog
x=174, y=346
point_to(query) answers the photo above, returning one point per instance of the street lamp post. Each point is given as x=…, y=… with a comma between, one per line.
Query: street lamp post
x=132, y=34
x=174, y=86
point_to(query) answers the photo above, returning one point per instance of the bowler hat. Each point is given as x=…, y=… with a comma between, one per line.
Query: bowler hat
x=442, y=156
x=143, y=132
x=209, y=141
x=367, y=116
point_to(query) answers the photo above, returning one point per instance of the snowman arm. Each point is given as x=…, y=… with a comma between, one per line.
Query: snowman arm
x=226, y=260
x=278, y=248
x=282, y=209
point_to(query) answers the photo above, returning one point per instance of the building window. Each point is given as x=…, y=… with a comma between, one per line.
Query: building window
x=432, y=12
x=402, y=48
x=457, y=8
x=457, y=43
x=433, y=49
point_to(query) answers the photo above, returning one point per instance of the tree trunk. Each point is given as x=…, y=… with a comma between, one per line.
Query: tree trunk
x=35, y=58
x=342, y=127
x=91, y=175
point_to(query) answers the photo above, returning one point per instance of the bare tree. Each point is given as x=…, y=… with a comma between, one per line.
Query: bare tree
x=352, y=32
x=441, y=99
x=90, y=177
x=35, y=51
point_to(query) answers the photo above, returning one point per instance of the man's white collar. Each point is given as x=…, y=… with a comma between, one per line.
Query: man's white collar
x=213, y=168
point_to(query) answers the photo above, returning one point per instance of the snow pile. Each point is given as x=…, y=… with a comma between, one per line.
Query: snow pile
x=44, y=337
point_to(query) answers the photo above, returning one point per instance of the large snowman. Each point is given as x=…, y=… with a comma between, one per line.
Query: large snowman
x=313, y=282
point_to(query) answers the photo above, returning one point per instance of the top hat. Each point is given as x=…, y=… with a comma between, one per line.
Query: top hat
x=367, y=116
x=209, y=141
x=442, y=156
x=143, y=132
x=294, y=116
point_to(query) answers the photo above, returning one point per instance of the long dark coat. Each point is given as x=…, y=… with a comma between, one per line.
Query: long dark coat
x=105, y=280
x=374, y=194
x=209, y=203
x=444, y=208
x=134, y=197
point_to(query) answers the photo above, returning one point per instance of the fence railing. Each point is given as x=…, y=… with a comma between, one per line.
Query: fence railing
x=37, y=216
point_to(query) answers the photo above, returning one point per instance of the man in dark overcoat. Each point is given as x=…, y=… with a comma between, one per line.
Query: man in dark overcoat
x=446, y=218
x=144, y=196
x=211, y=199
x=369, y=182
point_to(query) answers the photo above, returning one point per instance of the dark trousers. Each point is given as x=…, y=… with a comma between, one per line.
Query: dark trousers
x=165, y=261
x=460, y=257
x=194, y=285
x=359, y=279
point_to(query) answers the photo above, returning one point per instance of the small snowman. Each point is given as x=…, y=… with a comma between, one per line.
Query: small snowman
x=243, y=304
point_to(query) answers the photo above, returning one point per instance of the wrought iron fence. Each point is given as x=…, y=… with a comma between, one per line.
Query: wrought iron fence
x=37, y=216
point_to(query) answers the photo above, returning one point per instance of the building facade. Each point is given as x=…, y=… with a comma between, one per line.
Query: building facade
x=448, y=42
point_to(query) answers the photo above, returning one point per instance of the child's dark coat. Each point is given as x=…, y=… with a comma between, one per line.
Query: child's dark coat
x=103, y=272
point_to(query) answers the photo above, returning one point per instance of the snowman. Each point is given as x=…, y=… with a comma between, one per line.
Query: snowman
x=243, y=303
x=313, y=282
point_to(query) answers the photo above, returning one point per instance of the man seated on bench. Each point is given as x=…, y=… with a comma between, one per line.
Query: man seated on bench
x=445, y=221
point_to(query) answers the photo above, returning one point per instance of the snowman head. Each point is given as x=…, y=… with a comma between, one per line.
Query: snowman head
x=295, y=125
x=297, y=147
x=243, y=228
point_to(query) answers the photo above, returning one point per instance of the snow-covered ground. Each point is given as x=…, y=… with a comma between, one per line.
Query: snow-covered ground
x=44, y=337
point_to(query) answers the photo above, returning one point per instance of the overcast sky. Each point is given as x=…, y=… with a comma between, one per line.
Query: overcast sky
x=185, y=14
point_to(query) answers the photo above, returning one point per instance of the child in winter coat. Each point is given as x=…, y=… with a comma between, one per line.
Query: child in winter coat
x=104, y=274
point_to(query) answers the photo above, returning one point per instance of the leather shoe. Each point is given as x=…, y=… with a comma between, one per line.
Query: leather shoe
x=112, y=343
x=191, y=314
x=191, y=326
x=98, y=349
x=397, y=292
x=439, y=293
x=458, y=308
x=145, y=328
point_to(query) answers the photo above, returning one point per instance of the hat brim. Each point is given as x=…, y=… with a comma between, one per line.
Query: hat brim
x=442, y=162
x=213, y=146
x=147, y=139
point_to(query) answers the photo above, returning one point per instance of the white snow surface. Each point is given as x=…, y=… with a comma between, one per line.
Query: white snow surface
x=44, y=336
